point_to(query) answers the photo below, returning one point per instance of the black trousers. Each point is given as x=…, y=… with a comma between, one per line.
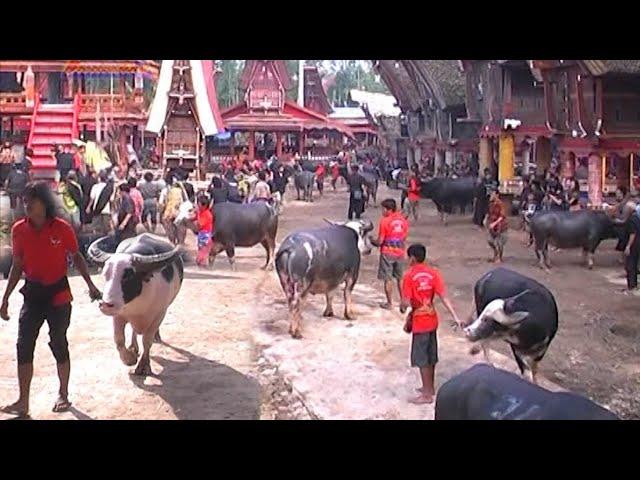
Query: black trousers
x=5, y=169
x=631, y=267
x=356, y=207
x=32, y=316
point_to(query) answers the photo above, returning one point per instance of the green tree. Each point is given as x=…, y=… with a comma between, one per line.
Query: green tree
x=228, y=82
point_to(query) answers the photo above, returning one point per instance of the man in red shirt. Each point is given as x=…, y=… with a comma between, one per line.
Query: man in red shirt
x=41, y=243
x=497, y=226
x=419, y=286
x=392, y=234
x=413, y=196
x=320, y=173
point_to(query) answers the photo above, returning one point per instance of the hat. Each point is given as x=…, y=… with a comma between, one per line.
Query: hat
x=78, y=143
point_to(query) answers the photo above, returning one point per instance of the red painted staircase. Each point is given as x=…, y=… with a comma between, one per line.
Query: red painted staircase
x=51, y=124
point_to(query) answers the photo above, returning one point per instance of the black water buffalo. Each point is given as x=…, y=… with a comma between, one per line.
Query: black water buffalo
x=448, y=193
x=483, y=392
x=142, y=278
x=517, y=309
x=237, y=225
x=303, y=180
x=318, y=261
x=583, y=229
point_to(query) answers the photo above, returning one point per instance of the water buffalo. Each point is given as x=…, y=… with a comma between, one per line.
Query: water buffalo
x=517, y=309
x=583, y=229
x=318, y=261
x=447, y=193
x=303, y=180
x=237, y=225
x=483, y=392
x=142, y=278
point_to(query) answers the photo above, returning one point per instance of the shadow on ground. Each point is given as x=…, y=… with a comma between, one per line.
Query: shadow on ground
x=201, y=389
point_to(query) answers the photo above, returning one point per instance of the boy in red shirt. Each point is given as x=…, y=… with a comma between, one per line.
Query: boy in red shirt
x=497, y=226
x=413, y=196
x=419, y=287
x=205, y=221
x=392, y=233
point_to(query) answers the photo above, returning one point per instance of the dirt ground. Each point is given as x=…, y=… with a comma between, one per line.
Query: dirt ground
x=228, y=356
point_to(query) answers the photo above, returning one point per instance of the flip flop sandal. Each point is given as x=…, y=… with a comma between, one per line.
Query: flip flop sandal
x=60, y=407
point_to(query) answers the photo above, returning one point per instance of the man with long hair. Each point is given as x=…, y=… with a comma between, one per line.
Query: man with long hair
x=41, y=243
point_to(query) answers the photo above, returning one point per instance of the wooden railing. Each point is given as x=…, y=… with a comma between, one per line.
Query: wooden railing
x=13, y=100
x=76, y=113
x=36, y=104
x=116, y=103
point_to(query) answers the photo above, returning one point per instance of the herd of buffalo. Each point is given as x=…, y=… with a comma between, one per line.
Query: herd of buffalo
x=143, y=275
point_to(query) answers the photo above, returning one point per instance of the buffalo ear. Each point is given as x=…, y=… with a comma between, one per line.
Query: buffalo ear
x=517, y=317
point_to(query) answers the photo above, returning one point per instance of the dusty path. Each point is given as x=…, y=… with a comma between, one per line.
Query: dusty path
x=228, y=354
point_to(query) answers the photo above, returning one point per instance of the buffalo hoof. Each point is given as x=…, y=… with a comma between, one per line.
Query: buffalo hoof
x=128, y=357
x=349, y=316
x=328, y=313
x=143, y=369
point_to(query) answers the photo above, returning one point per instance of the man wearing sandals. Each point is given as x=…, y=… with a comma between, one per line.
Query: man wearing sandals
x=41, y=243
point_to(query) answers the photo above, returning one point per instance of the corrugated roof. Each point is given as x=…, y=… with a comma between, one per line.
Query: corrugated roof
x=376, y=103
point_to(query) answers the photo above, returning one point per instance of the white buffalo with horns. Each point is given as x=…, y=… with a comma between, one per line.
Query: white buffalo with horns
x=142, y=278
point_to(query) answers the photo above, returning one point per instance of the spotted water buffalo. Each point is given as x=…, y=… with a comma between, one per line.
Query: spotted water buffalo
x=517, y=309
x=303, y=180
x=142, y=278
x=583, y=229
x=448, y=193
x=318, y=261
x=483, y=392
x=237, y=225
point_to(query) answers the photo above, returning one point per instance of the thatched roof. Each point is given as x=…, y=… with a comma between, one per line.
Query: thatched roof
x=399, y=83
x=444, y=79
x=603, y=67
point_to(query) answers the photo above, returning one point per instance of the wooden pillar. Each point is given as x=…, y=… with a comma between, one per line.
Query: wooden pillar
x=278, y=145
x=506, y=155
x=301, y=142
x=568, y=165
x=449, y=157
x=526, y=160
x=252, y=145
x=596, y=171
x=485, y=154
x=543, y=154
x=232, y=145
x=438, y=160
x=622, y=171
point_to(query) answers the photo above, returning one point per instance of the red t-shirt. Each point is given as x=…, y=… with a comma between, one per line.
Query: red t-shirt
x=77, y=161
x=414, y=190
x=393, y=229
x=335, y=171
x=497, y=211
x=419, y=285
x=320, y=171
x=205, y=220
x=44, y=253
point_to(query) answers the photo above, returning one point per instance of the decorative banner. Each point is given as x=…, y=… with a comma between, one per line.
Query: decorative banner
x=29, y=87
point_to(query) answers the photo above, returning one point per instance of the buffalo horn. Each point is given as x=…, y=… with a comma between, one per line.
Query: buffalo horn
x=96, y=254
x=152, y=262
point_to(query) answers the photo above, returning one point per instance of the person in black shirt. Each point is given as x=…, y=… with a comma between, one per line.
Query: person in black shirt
x=15, y=186
x=126, y=227
x=356, y=193
x=632, y=253
x=481, y=207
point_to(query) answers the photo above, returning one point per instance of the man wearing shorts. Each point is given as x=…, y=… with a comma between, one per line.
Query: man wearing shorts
x=392, y=234
x=497, y=226
x=419, y=286
x=41, y=243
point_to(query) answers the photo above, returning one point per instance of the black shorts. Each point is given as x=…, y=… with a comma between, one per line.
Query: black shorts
x=150, y=209
x=32, y=316
x=424, y=349
x=390, y=268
